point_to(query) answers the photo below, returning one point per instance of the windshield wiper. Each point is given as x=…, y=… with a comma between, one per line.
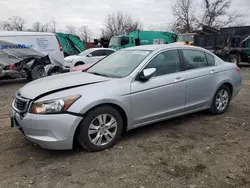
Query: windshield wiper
x=99, y=74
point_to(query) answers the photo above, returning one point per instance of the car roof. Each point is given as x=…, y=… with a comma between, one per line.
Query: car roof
x=154, y=47
x=93, y=49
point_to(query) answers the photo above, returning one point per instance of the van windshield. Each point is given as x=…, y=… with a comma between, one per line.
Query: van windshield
x=115, y=42
x=119, y=64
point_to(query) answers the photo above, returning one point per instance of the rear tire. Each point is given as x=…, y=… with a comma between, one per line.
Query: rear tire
x=234, y=59
x=38, y=72
x=100, y=128
x=221, y=100
x=79, y=63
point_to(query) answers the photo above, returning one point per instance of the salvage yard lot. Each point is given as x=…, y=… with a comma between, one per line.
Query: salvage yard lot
x=197, y=150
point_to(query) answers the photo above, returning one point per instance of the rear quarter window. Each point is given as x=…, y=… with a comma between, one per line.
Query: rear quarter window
x=210, y=59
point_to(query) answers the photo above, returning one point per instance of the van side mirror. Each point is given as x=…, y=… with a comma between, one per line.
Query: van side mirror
x=146, y=74
x=89, y=55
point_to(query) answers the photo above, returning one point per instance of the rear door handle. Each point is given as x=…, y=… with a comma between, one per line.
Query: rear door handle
x=213, y=71
x=179, y=79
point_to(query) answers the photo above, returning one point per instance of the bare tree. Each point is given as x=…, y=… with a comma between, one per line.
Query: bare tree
x=39, y=27
x=85, y=33
x=14, y=23
x=53, y=26
x=45, y=28
x=216, y=14
x=119, y=24
x=184, y=19
x=71, y=29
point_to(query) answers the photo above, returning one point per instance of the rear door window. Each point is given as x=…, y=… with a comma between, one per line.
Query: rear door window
x=98, y=53
x=194, y=59
x=108, y=52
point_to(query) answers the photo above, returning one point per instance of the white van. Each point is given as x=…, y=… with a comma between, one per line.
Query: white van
x=28, y=52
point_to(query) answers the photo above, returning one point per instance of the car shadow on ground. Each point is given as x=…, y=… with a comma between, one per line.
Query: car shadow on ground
x=169, y=125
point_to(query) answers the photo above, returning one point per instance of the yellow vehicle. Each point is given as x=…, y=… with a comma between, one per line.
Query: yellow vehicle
x=187, y=39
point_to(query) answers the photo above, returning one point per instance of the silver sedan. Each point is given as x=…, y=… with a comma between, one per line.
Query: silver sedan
x=131, y=88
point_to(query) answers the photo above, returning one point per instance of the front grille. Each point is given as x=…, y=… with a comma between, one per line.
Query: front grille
x=21, y=104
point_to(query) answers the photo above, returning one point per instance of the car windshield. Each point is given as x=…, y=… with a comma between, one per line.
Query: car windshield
x=85, y=52
x=120, y=64
x=184, y=38
x=115, y=41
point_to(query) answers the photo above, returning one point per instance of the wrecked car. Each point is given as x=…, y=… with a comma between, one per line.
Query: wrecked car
x=27, y=54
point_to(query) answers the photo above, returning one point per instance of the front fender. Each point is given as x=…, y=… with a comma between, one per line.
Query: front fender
x=86, y=107
x=105, y=101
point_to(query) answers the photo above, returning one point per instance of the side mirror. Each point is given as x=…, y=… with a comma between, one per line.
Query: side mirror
x=146, y=74
x=89, y=55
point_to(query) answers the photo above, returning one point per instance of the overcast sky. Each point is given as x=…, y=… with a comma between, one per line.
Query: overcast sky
x=151, y=13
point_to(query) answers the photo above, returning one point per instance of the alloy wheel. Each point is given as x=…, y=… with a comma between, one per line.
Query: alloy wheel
x=102, y=129
x=222, y=100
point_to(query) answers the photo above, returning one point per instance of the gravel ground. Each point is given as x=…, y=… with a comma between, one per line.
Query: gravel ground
x=194, y=151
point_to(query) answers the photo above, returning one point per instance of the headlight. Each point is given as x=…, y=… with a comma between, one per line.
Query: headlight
x=53, y=106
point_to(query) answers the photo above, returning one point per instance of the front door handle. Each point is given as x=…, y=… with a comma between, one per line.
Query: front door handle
x=213, y=71
x=179, y=79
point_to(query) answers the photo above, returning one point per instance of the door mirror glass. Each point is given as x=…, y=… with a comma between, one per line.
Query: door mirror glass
x=89, y=55
x=146, y=74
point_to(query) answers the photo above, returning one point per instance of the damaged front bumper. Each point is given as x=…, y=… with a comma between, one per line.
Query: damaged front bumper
x=54, y=132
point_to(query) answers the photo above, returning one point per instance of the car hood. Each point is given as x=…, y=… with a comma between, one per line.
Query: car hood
x=72, y=57
x=41, y=87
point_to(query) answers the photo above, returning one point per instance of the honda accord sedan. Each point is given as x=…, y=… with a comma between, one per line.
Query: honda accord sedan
x=132, y=87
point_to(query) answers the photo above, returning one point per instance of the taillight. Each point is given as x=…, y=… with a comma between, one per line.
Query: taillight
x=238, y=69
x=60, y=45
x=12, y=67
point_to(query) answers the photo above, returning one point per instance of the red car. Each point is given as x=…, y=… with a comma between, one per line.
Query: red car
x=81, y=67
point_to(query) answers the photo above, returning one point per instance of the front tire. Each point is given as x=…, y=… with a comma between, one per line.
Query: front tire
x=221, y=100
x=38, y=72
x=100, y=128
